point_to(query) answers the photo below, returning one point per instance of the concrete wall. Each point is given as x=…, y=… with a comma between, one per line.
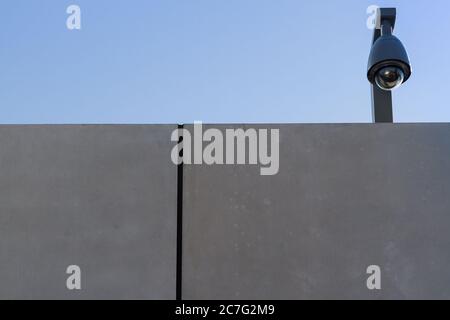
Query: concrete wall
x=346, y=197
x=100, y=197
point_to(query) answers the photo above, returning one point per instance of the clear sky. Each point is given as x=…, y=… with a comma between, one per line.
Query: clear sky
x=238, y=61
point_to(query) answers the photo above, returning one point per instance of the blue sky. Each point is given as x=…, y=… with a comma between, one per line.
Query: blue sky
x=167, y=61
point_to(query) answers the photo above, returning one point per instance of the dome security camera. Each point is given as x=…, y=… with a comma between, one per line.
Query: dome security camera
x=389, y=78
x=389, y=65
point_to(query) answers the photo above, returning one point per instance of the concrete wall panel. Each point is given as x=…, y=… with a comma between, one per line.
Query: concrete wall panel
x=101, y=197
x=346, y=197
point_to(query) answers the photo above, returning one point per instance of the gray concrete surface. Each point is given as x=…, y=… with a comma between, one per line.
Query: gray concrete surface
x=346, y=197
x=101, y=197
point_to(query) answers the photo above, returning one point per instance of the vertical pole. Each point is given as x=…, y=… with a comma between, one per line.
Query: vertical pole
x=381, y=105
x=179, y=267
x=381, y=99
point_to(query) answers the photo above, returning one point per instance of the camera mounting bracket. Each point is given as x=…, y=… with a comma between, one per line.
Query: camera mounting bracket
x=385, y=16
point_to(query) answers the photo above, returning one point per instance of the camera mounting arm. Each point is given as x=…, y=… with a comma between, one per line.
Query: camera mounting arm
x=385, y=24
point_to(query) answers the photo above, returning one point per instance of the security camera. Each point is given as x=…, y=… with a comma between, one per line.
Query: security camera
x=389, y=78
x=389, y=65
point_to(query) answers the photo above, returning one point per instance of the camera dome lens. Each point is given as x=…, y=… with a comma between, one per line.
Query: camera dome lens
x=389, y=78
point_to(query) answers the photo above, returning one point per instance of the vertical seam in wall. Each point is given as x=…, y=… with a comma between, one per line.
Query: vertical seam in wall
x=179, y=271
